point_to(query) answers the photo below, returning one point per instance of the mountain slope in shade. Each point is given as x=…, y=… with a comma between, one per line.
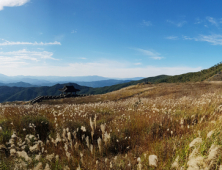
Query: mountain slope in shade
x=102, y=83
x=25, y=94
x=29, y=93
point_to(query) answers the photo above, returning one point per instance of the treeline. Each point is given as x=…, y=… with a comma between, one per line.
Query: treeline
x=194, y=76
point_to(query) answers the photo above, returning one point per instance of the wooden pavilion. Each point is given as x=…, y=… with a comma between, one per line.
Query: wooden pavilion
x=69, y=90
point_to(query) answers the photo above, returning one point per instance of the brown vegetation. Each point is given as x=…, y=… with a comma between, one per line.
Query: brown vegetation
x=145, y=126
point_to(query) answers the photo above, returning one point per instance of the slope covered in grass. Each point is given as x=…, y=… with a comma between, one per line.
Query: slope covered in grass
x=157, y=126
x=195, y=76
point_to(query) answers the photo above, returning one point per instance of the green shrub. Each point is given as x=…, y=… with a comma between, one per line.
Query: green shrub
x=6, y=132
x=5, y=135
x=42, y=126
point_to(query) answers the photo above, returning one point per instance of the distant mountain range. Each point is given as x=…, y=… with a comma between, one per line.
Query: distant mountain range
x=18, y=84
x=27, y=93
x=52, y=80
x=94, y=84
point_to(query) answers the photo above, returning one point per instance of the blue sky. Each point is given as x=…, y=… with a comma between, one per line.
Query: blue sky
x=127, y=38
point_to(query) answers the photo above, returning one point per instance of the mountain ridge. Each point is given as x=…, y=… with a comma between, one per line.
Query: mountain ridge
x=39, y=80
x=28, y=93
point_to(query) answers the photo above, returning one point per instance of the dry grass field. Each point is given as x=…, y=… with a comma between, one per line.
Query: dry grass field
x=157, y=126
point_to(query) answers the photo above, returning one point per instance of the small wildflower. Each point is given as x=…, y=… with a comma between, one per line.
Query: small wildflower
x=99, y=141
x=153, y=160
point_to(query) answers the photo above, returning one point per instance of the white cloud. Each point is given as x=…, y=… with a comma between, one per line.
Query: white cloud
x=82, y=58
x=207, y=20
x=74, y=31
x=146, y=23
x=172, y=37
x=104, y=68
x=153, y=55
x=212, y=20
x=59, y=37
x=178, y=24
x=28, y=43
x=188, y=38
x=9, y=59
x=198, y=21
x=214, y=39
x=11, y=3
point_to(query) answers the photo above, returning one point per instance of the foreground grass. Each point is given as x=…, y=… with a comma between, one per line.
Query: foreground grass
x=119, y=130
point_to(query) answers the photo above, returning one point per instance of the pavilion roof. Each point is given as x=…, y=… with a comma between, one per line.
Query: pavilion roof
x=69, y=89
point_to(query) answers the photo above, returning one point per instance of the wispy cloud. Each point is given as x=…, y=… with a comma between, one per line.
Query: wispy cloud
x=214, y=39
x=82, y=58
x=209, y=20
x=28, y=43
x=109, y=69
x=198, y=21
x=178, y=24
x=7, y=62
x=74, y=31
x=59, y=37
x=153, y=55
x=172, y=37
x=212, y=20
x=11, y=3
x=146, y=23
x=188, y=38
x=26, y=55
x=137, y=64
x=40, y=48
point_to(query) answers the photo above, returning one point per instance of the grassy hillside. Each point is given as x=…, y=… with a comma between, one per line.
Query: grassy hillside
x=152, y=126
x=195, y=76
